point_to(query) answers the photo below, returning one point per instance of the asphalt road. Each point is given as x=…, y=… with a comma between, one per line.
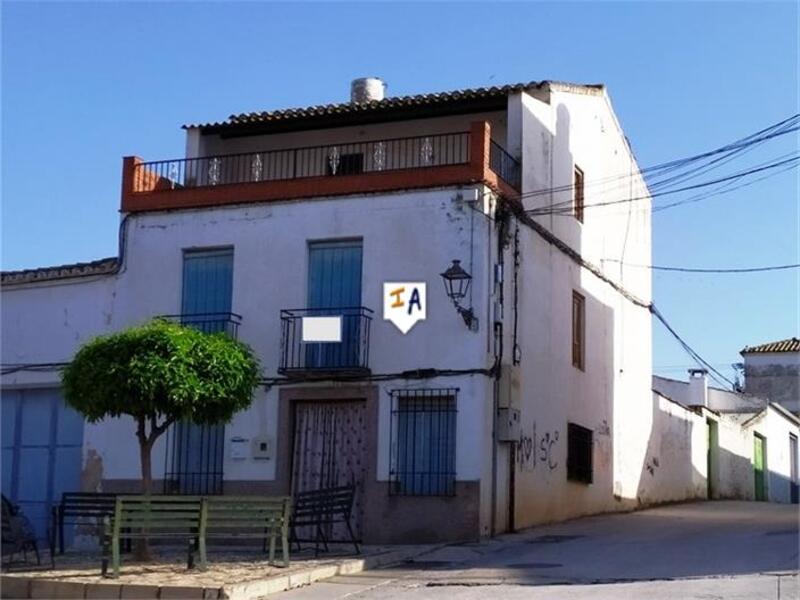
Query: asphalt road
x=709, y=550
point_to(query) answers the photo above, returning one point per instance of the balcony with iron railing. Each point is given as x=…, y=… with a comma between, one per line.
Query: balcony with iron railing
x=328, y=170
x=348, y=356
x=216, y=322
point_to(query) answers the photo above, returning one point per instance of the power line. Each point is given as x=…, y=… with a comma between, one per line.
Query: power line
x=781, y=128
x=698, y=270
x=555, y=209
x=715, y=374
x=525, y=219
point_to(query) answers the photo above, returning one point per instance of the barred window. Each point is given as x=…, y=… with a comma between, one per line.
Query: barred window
x=578, y=330
x=423, y=442
x=579, y=453
x=577, y=196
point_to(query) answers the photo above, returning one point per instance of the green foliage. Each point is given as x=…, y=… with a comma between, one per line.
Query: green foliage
x=162, y=370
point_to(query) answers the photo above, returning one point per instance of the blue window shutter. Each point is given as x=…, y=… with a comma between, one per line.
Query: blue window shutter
x=207, y=281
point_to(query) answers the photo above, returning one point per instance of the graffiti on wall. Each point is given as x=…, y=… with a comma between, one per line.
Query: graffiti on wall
x=537, y=449
x=651, y=465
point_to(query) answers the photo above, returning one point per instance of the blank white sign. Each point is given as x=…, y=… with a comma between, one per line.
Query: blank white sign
x=322, y=329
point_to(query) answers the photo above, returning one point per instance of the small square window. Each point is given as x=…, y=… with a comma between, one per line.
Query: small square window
x=579, y=453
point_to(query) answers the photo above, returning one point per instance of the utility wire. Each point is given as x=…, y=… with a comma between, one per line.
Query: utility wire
x=525, y=219
x=715, y=374
x=695, y=270
x=567, y=210
x=784, y=127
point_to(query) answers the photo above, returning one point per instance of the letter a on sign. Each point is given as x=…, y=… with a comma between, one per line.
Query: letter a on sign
x=404, y=304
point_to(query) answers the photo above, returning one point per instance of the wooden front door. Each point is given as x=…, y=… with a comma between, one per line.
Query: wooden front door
x=330, y=450
x=759, y=464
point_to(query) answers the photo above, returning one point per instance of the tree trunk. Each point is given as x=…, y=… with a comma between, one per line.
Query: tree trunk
x=147, y=472
x=142, y=545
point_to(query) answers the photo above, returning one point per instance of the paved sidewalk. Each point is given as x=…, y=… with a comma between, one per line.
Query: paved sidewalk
x=232, y=574
x=700, y=550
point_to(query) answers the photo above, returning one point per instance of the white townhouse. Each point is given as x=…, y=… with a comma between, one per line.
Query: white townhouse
x=738, y=445
x=526, y=399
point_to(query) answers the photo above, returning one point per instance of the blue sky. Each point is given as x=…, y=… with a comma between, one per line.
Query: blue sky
x=85, y=84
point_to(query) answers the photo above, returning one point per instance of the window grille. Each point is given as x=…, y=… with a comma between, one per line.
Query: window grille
x=579, y=453
x=423, y=442
x=578, y=330
x=578, y=191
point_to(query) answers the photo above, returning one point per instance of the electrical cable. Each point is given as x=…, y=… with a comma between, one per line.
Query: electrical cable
x=567, y=210
x=784, y=127
x=698, y=270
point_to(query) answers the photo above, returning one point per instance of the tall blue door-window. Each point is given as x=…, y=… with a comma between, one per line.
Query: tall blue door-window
x=334, y=285
x=42, y=439
x=207, y=288
x=197, y=451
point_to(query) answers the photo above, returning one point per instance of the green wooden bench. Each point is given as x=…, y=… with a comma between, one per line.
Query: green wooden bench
x=196, y=519
x=246, y=517
x=154, y=517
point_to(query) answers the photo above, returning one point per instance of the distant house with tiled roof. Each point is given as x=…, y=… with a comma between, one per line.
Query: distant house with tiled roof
x=772, y=370
x=791, y=344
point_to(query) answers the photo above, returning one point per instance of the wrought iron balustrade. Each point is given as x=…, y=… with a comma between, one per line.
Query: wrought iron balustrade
x=348, y=356
x=506, y=166
x=312, y=161
x=216, y=322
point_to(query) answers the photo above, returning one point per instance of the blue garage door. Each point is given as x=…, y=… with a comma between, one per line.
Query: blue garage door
x=42, y=439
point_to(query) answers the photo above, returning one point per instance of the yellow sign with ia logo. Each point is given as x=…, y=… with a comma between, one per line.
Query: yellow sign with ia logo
x=404, y=304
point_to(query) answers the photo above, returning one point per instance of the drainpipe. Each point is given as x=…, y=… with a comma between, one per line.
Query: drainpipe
x=502, y=222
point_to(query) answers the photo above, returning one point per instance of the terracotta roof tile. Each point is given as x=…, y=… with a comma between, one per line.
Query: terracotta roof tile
x=788, y=345
x=390, y=104
x=104, y=266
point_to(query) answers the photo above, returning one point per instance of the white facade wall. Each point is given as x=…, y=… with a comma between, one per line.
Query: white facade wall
x=46, y=322
x=738, y=418
x=734, y=478
x=270, y=273
x=612, y=395
x=676, y=468
x=776, y=426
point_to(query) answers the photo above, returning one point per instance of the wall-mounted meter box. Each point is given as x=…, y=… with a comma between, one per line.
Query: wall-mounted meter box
x=261, y=447
x=238, y=448
x=508, y=425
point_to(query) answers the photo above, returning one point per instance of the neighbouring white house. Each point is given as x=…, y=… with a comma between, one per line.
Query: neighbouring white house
x=525, y=399
x=742, y=446
x=772, y=370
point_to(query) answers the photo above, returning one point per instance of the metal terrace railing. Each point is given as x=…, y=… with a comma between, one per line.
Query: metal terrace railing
x=348, y=356
x=314, y=161
x=216, y=322
x=506, y=166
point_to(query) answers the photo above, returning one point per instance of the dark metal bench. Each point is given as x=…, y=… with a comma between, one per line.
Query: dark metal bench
x=246, y=517
x=18, y=534
x=142, y=517
x=75, y=506
x=322, y=509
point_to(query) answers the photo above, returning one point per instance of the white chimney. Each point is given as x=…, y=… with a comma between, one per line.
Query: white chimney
x=698, y=387
x=367, y=89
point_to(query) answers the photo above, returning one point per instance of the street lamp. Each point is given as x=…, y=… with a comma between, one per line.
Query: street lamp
x=456, y=286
